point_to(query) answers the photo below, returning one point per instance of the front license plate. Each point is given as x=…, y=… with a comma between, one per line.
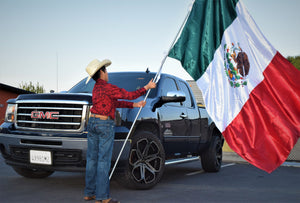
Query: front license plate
x=40, y=157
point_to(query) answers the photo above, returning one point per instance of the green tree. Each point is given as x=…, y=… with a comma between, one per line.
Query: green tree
x=295, y=60
x=37, y=88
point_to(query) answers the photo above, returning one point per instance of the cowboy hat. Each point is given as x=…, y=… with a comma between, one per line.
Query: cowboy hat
x=94, y=66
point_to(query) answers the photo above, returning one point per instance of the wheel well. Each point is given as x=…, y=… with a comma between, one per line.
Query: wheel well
x=216, y=132
x=149, y=126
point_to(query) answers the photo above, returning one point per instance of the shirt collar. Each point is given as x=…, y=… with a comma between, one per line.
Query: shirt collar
x=101, y=81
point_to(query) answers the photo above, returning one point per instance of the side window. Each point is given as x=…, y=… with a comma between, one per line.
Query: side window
x=169, y=85
x=188, y=101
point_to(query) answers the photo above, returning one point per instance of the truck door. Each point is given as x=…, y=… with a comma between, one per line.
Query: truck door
x=173, y=121
x=193, y=118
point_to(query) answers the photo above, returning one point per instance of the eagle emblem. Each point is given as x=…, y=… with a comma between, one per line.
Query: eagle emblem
x=236, y=65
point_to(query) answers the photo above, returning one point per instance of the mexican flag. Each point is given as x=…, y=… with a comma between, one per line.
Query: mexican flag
x=250, y=90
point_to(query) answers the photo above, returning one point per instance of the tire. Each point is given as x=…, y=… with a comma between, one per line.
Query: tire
x=211, y=159
x=32, y=173
x=146, y=162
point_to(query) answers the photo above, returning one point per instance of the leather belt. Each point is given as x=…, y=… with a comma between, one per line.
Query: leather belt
x=101, y=117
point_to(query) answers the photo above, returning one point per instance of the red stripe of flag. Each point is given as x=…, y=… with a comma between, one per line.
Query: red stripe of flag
x=268, y=125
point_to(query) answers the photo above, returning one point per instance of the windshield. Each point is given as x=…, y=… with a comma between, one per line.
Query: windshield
x=128, y=81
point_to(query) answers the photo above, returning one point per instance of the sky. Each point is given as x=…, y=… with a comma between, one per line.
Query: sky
x=51, y=42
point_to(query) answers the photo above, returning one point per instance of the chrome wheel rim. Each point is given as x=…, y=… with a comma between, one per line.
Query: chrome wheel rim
x=145, y=161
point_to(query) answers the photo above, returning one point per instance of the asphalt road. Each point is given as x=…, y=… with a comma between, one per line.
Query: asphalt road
x=236, y=182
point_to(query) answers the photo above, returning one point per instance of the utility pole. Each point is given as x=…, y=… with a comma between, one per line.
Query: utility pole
x=56, y=72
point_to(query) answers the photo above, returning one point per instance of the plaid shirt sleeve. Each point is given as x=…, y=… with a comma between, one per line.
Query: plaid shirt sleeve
x=124, y=104
x=106, y=96
x=120, y=93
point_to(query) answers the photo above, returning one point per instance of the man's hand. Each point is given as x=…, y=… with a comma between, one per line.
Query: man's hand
x=139, y=104
x=150, y=85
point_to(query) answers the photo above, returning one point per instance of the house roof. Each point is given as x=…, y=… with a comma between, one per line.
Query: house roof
x=197, y=92
x=14, y=89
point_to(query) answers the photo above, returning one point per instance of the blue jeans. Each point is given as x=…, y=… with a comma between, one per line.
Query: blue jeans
x=100, y=145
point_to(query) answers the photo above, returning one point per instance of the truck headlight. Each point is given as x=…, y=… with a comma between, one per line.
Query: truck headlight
x=10, y=113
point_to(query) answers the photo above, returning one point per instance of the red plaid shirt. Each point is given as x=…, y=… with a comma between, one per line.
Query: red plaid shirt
x=105, y=98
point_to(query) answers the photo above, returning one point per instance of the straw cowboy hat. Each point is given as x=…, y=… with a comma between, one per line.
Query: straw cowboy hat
x=94, y=66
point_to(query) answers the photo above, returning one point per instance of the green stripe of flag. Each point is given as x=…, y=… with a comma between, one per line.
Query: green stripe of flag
x=202, y=34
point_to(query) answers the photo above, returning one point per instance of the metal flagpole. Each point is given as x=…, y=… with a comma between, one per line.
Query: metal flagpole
x=155, y=80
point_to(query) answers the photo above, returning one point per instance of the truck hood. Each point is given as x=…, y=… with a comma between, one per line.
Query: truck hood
x=56, y=96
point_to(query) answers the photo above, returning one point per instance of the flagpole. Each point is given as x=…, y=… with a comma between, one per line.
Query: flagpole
x=155, y=80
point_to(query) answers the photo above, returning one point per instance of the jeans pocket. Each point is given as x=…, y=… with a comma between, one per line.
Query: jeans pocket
x=89, y=126
x=101, y=130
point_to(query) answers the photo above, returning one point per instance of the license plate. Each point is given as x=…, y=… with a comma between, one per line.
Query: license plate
x=40, y=157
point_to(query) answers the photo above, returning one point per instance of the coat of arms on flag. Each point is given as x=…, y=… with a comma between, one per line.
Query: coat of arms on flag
x=236, y=65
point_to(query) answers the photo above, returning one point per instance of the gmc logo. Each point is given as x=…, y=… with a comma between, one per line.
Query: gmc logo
x=46, y=115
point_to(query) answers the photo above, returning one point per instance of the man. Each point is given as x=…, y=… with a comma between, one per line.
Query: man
x=101, y=128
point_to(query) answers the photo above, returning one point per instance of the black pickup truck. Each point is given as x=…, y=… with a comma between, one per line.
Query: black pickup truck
x=43, y=133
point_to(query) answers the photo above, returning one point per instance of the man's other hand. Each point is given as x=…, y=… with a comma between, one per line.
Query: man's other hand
x=139, y=104
x=150, y=85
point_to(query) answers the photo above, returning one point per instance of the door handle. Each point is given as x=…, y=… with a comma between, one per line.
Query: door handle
x=183, y=115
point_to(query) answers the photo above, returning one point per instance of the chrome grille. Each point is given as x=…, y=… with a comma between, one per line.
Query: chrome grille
x=51, y=115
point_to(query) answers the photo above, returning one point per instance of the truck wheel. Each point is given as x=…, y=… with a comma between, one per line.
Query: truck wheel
x=146, y=162
x=32, y=173
x=211, y=159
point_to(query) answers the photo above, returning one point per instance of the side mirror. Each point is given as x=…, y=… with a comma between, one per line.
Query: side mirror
x=172, y=96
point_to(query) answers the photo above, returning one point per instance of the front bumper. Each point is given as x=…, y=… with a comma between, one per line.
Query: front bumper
x=68, y=153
